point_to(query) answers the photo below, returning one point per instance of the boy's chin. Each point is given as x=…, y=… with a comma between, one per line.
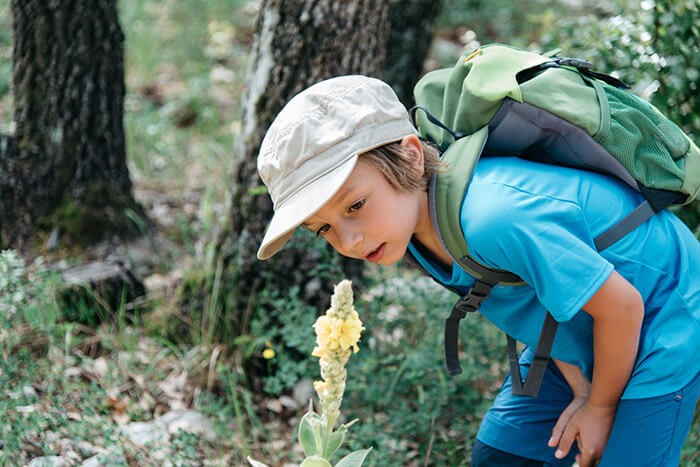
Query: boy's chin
x=383, y=262
x=390, y=259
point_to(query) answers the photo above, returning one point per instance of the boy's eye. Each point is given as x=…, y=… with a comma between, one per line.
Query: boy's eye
x=356, y=206
x=323, y=230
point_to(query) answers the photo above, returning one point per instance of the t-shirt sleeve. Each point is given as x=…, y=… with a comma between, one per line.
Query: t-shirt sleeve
x=544, y=240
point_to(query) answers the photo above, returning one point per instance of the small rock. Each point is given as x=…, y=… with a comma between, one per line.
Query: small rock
x=87, y=449
x=303, y=391
x=93, y=461
x=48, y=461
x=288, y=402
x=111, y=456
x=100, y=367
x=142, y=433
x=156, y=282
x=273, y=405
x=190, y=421
x=279, y=445
x=220, y=74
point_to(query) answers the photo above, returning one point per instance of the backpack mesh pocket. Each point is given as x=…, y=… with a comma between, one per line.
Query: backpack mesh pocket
x=648, y=144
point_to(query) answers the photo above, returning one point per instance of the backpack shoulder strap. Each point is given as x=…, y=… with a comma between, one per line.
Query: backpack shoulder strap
x=446, y=193
x=533, y=380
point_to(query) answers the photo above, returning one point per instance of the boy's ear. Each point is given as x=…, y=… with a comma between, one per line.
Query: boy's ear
x=411, y=143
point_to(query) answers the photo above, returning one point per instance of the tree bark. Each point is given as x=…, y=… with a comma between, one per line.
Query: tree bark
x=65, y=168
x=412, y=27
x=297, y=44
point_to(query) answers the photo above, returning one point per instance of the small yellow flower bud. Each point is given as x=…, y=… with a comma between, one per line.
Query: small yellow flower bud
x=268, y=354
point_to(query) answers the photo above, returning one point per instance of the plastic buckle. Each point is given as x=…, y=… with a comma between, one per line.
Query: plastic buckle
x=471, y=302
x=461, y=308
x=576, y=63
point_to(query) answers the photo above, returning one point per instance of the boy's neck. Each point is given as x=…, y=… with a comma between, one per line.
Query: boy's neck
x=426, y=237
x=435, y=253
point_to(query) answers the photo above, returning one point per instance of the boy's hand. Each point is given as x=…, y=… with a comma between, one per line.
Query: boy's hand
x=588, y=425
x=617, y=309
x=564, y=418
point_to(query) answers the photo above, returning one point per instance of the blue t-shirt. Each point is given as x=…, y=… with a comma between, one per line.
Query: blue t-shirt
x=539, y=221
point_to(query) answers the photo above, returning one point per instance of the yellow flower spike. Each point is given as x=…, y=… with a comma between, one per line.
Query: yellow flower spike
x=337, y=333
x=268, y=354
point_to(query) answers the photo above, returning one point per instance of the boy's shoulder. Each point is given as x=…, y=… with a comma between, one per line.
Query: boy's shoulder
x=497, y=179
x=508, y=194
x=504, y=183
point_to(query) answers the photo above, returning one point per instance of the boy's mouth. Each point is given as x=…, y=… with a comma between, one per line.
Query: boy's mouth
x=377, y=254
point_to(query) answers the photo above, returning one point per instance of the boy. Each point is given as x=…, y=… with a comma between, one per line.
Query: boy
x=343, y=160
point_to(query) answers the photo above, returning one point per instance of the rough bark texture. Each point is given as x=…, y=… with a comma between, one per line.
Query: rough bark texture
x=297, y=44
x=66, y=168
x=412, y=27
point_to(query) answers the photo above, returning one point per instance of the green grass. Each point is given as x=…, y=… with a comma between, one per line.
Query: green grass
x=66, y=388
x=179, y=113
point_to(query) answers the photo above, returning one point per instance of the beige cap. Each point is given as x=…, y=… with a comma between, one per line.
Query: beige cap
x=313, y=144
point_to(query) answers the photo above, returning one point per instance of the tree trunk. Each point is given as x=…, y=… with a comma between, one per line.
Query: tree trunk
x=412, y=26
x=297, y=44
x=65, y=168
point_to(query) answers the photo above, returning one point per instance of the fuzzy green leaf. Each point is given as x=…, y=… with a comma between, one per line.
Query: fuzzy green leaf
x=354, y=459
x=308, y=433
x=315, y=461
x=334, y=441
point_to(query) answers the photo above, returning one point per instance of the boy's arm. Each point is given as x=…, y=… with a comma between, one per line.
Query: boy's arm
x=617, y=310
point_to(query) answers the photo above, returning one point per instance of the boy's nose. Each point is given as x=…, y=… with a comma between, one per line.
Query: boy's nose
x=349, y=239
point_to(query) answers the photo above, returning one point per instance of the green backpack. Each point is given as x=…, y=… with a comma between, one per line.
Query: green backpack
x=504, y=101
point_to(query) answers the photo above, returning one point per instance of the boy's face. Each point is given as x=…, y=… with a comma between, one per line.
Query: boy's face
x=369, y=219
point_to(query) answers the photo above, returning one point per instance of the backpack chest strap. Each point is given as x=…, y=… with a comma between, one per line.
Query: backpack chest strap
x=471, y=302
x=488, y=275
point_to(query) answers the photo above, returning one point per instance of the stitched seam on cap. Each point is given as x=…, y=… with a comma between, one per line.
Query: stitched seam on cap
x=317, y=112
x=362, y=150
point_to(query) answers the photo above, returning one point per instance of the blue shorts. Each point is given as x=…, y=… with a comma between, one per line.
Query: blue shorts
x=646, y=432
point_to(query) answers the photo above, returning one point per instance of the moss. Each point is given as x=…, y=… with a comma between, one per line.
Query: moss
x=98, y=214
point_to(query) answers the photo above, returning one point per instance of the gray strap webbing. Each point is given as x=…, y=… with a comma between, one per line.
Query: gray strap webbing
x=538, y=367
x=637, y=217
x=490, y=275
x=469, y=303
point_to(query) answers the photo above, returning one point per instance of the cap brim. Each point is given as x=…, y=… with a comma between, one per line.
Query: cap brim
x=302, y=205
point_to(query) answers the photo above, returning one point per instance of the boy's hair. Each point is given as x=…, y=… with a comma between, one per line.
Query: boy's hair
x=397, y=166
